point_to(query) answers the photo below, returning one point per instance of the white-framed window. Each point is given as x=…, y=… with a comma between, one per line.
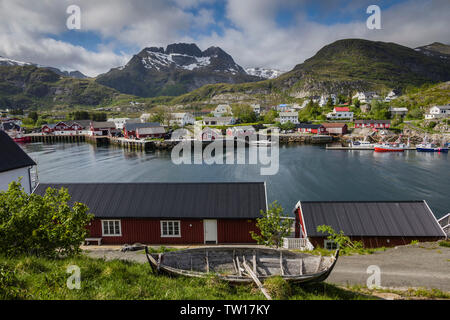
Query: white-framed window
x=330, y=245
x=170, y=229
x=111, y=228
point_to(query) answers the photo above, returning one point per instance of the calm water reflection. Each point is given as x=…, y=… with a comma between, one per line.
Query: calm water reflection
x=306, y=172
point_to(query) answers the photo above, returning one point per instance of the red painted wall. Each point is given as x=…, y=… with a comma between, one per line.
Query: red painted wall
x=148, y=231
x=235, y=230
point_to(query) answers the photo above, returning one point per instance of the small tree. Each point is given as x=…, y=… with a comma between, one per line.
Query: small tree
x=273, y=226
x=41, y=225
x=339, y=238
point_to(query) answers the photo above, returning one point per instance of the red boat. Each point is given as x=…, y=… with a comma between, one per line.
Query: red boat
x=386, y=147
x=22, y=139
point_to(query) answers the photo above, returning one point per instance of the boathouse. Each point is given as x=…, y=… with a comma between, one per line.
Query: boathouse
x=170, y=213
x=375, y=124
x=310, y=128
x=375, y=223
x=335, y=128
x=130, y=129
x=14, y=163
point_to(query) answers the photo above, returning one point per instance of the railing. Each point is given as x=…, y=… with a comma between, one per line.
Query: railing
x=297, y=243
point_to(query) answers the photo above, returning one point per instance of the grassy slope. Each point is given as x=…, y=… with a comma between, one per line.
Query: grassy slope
x=38, y=278
x=426, y=96
x=30, y=86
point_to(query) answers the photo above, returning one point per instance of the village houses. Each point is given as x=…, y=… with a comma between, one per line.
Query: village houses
x=438, y=112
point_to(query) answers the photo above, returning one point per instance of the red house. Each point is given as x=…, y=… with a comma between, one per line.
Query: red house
x=154, y=132
x=130, y=129
x=170, y=213
x=310, y=128
x=375, y=223
x=335, y=128
x=375, y=124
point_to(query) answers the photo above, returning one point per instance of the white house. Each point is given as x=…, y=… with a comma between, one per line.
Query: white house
x=366, y=97
x=398, y=111
x=120, y=122
x=286, y=117
x=324, y=99
x=340, y=113
x=182, y=119
x=391, y=96
x=14, y=164
x=241, y=131
x=256, y=108
x=221, y=110
x=438, y=112
x=218, y=121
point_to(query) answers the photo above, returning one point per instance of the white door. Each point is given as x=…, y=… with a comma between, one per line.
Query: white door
x=210, y=228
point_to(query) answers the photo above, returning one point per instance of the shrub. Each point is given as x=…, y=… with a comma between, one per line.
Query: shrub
x=445, y=243
x=41, y=225
x=277, y=287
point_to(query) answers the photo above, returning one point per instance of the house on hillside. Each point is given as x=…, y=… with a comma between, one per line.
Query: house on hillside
x=219, y=121
x=340, y=113
x=14, y=164
x=438, y=112
x=366, y=96
x=221, y=110
x=324, y=100
x=375, y=223
x=182, y=119
x=394, y=94
x=400, y=112
x=375, y=124
x=170, y=213
x=120, y=122
x=286, y=117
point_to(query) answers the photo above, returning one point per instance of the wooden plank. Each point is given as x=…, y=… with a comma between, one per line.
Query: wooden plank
x=207, y=262
x=254, y=262
x=281, y=263
x=301, y=267
x=255, y=279
x=318, y=265
x=238, y=266
x=234, y=262
x=158, y=265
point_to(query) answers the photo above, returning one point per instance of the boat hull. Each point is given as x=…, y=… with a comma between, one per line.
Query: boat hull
x=227, y=262
x=444, y=150
x=22, y=140
x=381, y=149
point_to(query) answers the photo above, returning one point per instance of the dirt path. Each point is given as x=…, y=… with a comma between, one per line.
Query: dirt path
x=424, y=265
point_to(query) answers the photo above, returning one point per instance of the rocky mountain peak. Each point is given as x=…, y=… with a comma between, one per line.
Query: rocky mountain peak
x=189, y=49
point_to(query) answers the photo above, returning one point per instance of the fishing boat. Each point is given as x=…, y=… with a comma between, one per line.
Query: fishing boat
x=20, y=138
x=243, y=264
x=430, y=147
x=391, y=147
x=362, y=145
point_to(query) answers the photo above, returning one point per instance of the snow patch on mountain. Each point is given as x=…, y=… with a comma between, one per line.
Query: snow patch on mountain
x=11, y=62
x=264, y=73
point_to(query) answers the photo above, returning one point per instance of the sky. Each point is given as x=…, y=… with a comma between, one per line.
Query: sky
x=257, y=33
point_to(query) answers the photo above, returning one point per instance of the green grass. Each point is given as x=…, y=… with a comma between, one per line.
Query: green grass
x=445, y=243
x=39, y=278
x=347, y=251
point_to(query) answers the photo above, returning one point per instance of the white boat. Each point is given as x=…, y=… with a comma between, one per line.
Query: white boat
x=261, y=143
x=362, y=145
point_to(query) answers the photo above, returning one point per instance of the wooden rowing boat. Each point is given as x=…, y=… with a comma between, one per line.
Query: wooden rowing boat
x=234, y=264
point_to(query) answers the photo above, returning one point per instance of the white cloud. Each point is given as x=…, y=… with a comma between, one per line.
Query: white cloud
x=254, y=38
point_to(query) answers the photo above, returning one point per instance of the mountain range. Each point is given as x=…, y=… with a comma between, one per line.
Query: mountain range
x=72, y=74
x=178, y=69
x=190, y=75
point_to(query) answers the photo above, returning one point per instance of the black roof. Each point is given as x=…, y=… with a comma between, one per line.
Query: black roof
x=308, y=126
x=134, y=126
x=7, y=126
x=12, y=156
x=366, y=218
x=168, y=200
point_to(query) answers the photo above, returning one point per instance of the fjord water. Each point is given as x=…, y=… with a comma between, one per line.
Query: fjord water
x=308, y=173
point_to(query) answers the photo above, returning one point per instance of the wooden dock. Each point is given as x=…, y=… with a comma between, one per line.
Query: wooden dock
x=358, y=149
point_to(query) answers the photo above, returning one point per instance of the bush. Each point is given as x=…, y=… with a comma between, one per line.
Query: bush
x=41, y=225
x=277, y=287
x=445, y=243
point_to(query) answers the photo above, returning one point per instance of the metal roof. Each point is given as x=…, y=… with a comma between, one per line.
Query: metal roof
x=133, y=126
x=365, y=218
x=12, y=156
x=168, y=200
x=308, y=126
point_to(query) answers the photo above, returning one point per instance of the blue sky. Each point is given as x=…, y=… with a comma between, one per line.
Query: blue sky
x=257, y=33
